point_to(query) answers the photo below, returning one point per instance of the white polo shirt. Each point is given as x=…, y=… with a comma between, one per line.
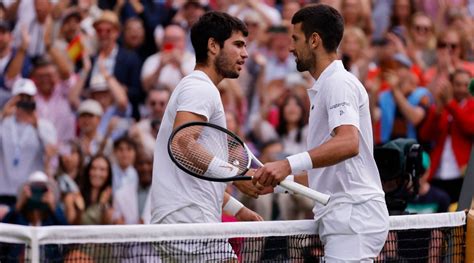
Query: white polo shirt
x=173, y=189
x=338, y=98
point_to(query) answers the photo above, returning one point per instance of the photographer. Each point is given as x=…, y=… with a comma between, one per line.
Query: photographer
x=26, y=142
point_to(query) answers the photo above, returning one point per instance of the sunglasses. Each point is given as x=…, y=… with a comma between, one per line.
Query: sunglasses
x=422, y=29
x=442, y=44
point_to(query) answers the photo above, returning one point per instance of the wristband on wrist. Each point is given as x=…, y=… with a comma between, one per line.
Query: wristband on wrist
x=280, y=190
x=300, y=162
x=219, y=169
x=232, y=206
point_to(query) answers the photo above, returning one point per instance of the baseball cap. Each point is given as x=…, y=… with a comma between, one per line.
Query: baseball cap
x=98, y=83
x=90, y=106
x=24, y=86
x=38, y=177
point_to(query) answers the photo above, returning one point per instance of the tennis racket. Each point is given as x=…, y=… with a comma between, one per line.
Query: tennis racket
x=211, y=152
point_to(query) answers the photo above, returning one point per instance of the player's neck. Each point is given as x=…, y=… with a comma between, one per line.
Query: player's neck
x=211, y=72
x=323, y=61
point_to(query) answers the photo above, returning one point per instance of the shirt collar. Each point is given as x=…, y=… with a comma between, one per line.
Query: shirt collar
x=333, y=67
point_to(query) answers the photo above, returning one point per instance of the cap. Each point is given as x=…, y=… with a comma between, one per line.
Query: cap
x=90, y=106
x=403, y=60
x=5, y=25
x=98, y=83
x=24, y=86
x=38, y=177
x=195, y=3
x=108, y=16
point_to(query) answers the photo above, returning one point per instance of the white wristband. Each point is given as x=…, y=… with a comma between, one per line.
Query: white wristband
x=221, y=169
x=280, y=190
x=300, y=162
x=233, y=206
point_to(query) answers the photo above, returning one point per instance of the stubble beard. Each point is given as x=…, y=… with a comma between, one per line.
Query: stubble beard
x=305, y=64
x=223, y=67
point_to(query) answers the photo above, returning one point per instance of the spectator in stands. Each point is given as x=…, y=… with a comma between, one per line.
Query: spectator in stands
x=120, y=64
x=53, y=95
x=355, y=52
x=430, y=199
x=125, y=179
x=14, y=62
x=145, y=131
x=27, y=142
x=144, y=166
x=422, y=41
x=187, y=15
x=288, y=9
x=268, y=13
x=134, y=37
x=36, y=204
x=113, y=99
x=402, y=11
x=91, y=140
x=171, y=63
x=356, y=13
x=453, y=120
x=96, y=191
x=70, y=168
x=404, y=107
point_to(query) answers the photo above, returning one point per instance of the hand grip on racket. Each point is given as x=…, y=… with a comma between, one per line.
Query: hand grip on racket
x=211, y=152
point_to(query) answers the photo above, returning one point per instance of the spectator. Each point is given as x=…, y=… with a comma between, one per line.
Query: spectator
x=53, y=95
x=355, y=52
x=69, y=172
x=288, y=9
x=125, y=180
x=402, y=11
x=134, y=37
x=96, y=191
x=404, y=107
x=171, y=64
x=144, y=132
x=357, y=13
x=453, y=120
x=422, y=40
x=26, y=142
x=430, y=199
x=14, y=62
x=91, y=140
x=187, y=15
x=144, y=167
x=120, y=64
x=268, y=13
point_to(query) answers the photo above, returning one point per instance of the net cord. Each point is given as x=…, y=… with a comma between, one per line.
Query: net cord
x=148, y=233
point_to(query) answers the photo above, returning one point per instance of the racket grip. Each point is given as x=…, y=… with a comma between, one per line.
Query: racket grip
x=305, y=191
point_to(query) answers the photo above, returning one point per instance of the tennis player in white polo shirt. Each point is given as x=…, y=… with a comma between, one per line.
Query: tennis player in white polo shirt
x=354, y=225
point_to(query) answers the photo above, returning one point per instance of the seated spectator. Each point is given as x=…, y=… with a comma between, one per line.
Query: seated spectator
x=144, y=166
x=134, y=37
x=422, y=42
x=27, y=143
x=430, y=199
x=92, y=142
x=125, y=179
x=450, y=126
x=95, y=208
x=403, y=108
x=69, y=172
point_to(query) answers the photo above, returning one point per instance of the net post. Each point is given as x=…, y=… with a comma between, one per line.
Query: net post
x=470, y=233
x=35, y=254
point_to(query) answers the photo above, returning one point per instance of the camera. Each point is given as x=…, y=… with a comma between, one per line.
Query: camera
x=26, y=105
x=400, y=165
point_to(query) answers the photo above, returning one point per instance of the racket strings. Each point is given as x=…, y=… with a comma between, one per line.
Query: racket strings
x=194, y=147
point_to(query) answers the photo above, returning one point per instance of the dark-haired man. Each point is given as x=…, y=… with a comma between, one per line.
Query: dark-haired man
x=354, y=225
x=176, y=196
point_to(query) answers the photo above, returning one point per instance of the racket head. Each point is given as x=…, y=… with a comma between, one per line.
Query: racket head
x=209, y=140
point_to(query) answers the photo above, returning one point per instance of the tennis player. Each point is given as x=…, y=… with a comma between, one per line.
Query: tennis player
x=354, y=225
x=220, y=47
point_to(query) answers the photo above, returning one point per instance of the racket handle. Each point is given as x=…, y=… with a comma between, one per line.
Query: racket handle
x=305, y=191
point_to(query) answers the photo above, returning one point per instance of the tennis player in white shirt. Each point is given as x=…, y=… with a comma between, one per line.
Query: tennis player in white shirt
x=220, y=47
x=354, y=225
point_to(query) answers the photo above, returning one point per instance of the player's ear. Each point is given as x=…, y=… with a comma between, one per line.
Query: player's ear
x=213, y=46
x=315, y=40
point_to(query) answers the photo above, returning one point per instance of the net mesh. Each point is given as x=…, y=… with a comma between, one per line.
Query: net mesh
x=193, y=147
x=413, y=238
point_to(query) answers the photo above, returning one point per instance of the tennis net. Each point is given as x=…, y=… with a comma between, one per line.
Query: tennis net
x=412, y=238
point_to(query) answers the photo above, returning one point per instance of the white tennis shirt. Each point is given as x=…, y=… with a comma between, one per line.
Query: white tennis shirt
x=338, y=98
x=173, y=189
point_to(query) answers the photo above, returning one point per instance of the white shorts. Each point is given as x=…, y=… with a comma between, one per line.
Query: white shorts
x=354, y=232
x=215, y=250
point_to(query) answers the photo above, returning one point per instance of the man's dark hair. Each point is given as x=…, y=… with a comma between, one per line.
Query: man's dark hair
x=216, y=25
x=125, y=139
x=324, y=20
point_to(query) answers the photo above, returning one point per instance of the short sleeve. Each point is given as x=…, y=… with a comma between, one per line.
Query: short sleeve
x=199, y=97
x=342, y=103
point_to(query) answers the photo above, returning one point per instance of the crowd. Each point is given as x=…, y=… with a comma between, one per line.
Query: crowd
x=84, y=85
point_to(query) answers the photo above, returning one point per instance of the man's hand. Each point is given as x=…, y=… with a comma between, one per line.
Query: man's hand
x=246, y=214
x=271, y=174
x=251, y=189
x=48, y=198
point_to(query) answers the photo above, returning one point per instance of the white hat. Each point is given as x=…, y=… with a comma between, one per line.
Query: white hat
x=24, y=86
x=98, y=83
x=38, y=177
x=90, y=106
